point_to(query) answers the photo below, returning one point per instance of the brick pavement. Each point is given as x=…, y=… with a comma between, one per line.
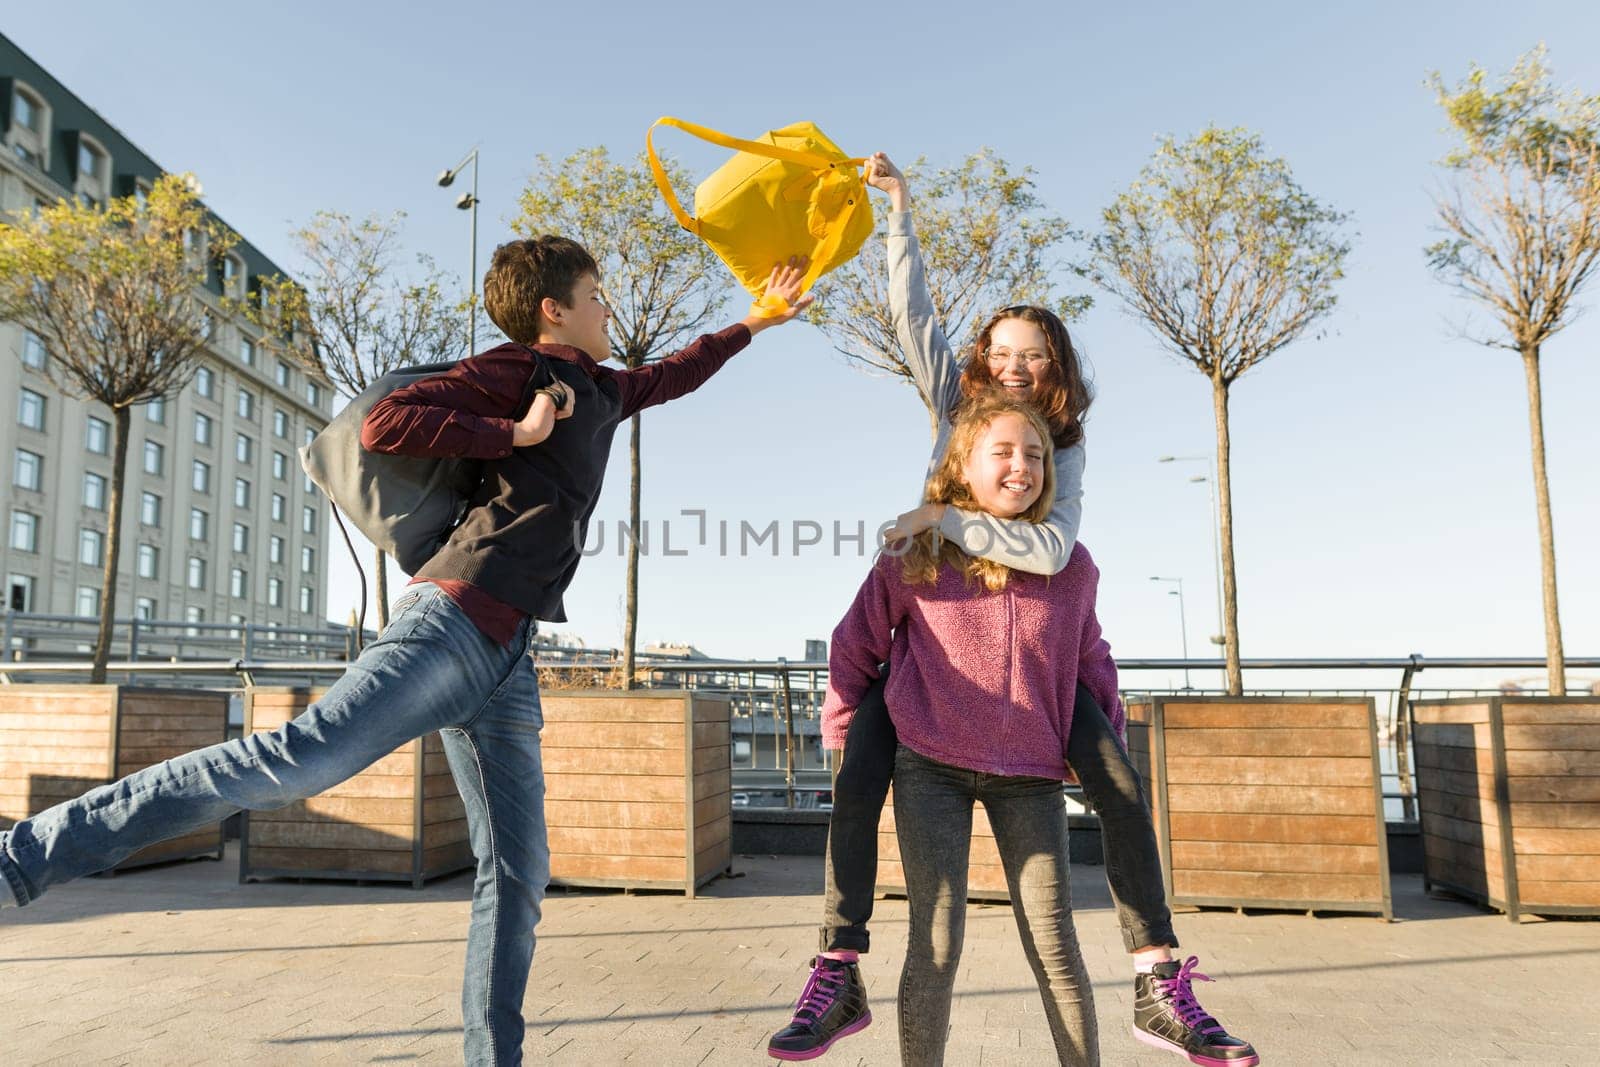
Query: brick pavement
x=181, y=964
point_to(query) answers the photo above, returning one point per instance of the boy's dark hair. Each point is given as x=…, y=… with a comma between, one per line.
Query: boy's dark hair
x=522, y=273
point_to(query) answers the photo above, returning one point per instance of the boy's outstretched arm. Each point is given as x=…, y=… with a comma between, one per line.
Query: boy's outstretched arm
x=684, y=372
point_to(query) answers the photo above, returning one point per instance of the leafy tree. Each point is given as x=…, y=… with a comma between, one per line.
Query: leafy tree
x=1521, y=238
x=351, y=317
x=113, y=291
x=987, y=242
x=1227, y=260
x=664, y=285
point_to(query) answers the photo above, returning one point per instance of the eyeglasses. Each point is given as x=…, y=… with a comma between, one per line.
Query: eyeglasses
x=1033, y=357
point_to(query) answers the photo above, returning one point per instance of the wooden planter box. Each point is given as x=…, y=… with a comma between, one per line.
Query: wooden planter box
x=638, y=788
x=1267, y=802
x=1509, y=790
x=986, y=877
x=59, y=742
x=400, y=820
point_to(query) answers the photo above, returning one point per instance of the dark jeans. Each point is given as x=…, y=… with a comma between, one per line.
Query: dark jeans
x=1110, y=784
x=933, y=817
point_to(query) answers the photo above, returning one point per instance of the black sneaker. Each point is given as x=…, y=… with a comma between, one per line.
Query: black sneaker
x=832, y=1005
x=1167, y=1015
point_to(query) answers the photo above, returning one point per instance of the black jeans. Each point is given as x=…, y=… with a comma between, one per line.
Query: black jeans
x=933, y=817
x=1110, y=784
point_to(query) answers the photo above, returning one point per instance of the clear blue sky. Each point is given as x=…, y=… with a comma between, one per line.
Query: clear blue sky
x=1383, y=493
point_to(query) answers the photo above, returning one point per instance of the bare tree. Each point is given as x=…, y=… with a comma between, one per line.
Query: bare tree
x=987, y=242
x=664, y=286
x=113, y=291
x=1521, y=224
x=352, y=317
x=1227, y=260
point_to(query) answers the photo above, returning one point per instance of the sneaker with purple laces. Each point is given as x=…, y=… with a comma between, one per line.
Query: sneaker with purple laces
x=832, y=1005
x=1167, y=1015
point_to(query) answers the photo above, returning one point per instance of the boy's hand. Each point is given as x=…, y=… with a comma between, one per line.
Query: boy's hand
x=785, y=282
x=881, y=173
x=542, y=414
x=914, y=522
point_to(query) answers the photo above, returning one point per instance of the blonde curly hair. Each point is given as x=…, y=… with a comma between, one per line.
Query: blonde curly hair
x=948, y=485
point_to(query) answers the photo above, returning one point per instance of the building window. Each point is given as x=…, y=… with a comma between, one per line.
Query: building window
x=280, y=423
x=275, y=592
x=244, y=448
x=308, y=485
x=308, y=600
x=193, y=615
x=202, y=429
x=88, y=601
x=233, y=275
x=24, y=531
x=280, y=466
x=236, y=621
x=19, y=592
x=313, y=394
x=94, y=491
x=29, y=471
x=308, y=519
x=201, y=481
x=33, y=354
x=91, y=547
x=247, y=353
x=247, y=404
x=238, y=583
x=30, y=125
x=94, y=168
x=97, y=436
x=150, y=509
x=205, y=383
x=311, y=435
x=156, y=411
x=154, y=457
x=308, y=559
x=149, y=556
x=280, y=507
x=197, y=573
x=241, y=493
x=30, y=410
x=199, y=524
x=275, y=549
x=283, y=374
x=241, y=537
x=144, y=609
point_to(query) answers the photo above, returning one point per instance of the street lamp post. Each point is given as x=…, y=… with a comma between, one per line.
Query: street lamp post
x=1183, y=624
x=468, y=202
x=1216, y=524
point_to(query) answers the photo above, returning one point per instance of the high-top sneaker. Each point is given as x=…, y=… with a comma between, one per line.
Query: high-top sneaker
x=832, y=1005
x=1167, y=1015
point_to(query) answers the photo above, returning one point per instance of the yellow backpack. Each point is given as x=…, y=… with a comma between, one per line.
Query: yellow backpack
x=793, y=192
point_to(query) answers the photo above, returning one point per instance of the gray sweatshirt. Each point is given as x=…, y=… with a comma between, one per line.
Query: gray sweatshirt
x=1038, y=548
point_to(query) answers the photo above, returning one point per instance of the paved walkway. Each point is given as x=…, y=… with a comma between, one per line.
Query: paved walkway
x=181, y=964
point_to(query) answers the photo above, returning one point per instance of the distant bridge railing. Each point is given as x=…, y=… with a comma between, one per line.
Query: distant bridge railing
x=776, y=749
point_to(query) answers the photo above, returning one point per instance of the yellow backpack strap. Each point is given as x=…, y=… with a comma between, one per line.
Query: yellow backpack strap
x=737, y=144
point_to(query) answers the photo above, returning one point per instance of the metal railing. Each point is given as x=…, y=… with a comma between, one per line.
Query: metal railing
x=29, y=636
x=776, y=704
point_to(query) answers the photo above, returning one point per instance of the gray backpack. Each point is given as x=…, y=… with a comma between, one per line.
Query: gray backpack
x=406, y=506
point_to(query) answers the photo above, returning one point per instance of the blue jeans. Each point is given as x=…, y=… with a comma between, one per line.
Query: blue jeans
x=431, y=670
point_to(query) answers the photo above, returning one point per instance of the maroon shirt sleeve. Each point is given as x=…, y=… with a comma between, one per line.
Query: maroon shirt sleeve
x=682, y=372
x=467, y=413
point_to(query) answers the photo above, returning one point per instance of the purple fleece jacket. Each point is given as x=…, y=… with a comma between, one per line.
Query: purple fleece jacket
x=977, y=679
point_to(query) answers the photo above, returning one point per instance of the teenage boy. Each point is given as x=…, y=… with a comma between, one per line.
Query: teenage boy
x=456, y=655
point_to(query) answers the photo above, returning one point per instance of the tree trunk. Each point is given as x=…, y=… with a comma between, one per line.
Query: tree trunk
x=1230, y=585
x=108, y=597
x=1556, y=659
x=380, y=586
x=630, y=633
